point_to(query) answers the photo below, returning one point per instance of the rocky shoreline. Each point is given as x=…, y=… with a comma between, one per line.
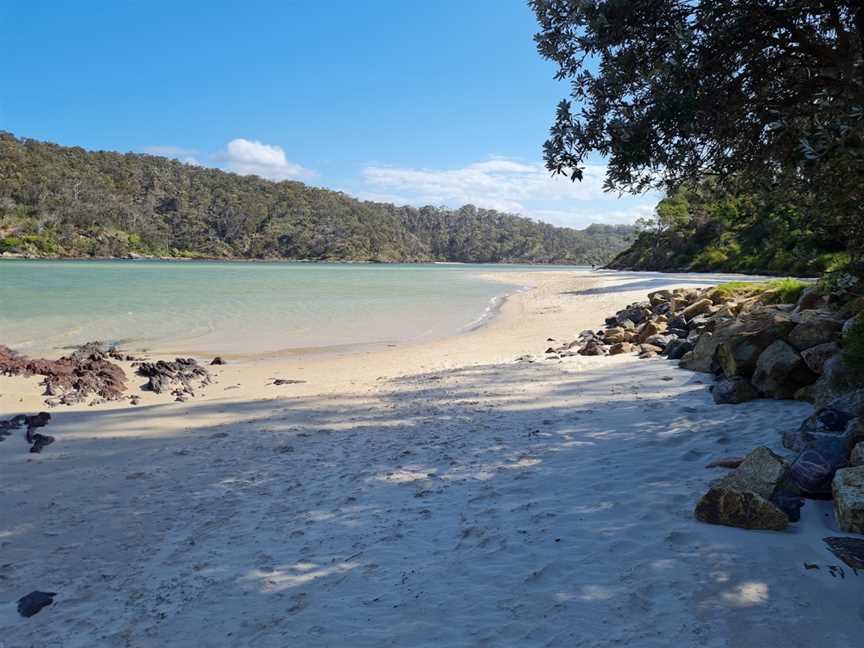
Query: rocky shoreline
x=90, y=374
x=756, y=346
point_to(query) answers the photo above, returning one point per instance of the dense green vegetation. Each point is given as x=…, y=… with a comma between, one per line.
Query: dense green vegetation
x=763, y=100
x=777, y=291
x=704, y=229
x=72, y=202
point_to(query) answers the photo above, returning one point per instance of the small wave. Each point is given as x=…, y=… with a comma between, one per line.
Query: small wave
x=493, y=308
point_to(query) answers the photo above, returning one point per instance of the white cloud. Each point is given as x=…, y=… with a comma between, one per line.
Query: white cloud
x=510, y=186
x=251, y=157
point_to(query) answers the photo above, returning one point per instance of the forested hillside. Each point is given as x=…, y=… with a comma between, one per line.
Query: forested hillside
x=57, y=200
x=702, y=229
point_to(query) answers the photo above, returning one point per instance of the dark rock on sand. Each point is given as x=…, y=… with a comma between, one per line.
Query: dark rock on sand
x=40, y=441
x=86, y=372
x=676, y=349
x=178, y=376
x=34, y=602
x=217, y=361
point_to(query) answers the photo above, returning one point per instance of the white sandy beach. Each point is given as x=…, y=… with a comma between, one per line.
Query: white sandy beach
x=432, y=495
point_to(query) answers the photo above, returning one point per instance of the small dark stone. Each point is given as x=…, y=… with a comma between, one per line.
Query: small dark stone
x=34, y=602
x=218, y=361
x=40, y=441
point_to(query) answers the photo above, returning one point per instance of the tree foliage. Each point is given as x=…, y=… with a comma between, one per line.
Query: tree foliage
x=705, y=228
x=759, y=95
x=68, y=201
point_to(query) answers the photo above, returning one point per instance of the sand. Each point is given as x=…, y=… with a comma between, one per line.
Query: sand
x=439, y=494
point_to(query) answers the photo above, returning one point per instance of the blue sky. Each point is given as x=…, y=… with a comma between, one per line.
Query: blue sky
x=441, y=102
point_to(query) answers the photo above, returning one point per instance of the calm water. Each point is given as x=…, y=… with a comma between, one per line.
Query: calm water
x=237, y=308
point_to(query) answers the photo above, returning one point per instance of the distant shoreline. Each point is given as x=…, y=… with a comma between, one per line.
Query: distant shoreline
x=8, y=256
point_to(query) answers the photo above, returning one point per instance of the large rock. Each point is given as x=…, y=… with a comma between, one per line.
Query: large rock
x=780, y=371
x=701, y=356
x=815, y=466
x=836, y=381
x=743, y=497
x=848, y=490
x=660, y=297
x=646, y=330
x=765, y=325
x=676, y=349
x=856, y=457
x=828, y=422
x=697, y=308
x=738, y=356
x=810, y=298
x=814, y=327
x=620, y=347
x=660, y=340
x=614, y=336
x=816, y=356
x=742, y=509
x=637, y=313
x=761, y=472
x=593, y=347
x=733, y=390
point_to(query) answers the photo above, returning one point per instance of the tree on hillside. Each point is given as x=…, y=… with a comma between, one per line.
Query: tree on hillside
x=762, y=95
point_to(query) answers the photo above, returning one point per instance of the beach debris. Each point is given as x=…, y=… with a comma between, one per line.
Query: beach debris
x=287, y=381
x=849, y=550
x=87, y=372
x=179, y=376
x=34, y=602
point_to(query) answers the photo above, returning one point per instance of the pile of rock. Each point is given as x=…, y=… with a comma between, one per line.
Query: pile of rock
x=758, y=349
x=178, y=376
x=766, y=491
x=86, y=373
x=754, y=349
x=669, y=323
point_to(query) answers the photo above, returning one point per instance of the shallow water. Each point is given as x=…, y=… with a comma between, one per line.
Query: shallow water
x=239, y=308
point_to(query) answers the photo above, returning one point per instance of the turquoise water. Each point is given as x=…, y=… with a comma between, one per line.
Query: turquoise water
x=238, y=308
